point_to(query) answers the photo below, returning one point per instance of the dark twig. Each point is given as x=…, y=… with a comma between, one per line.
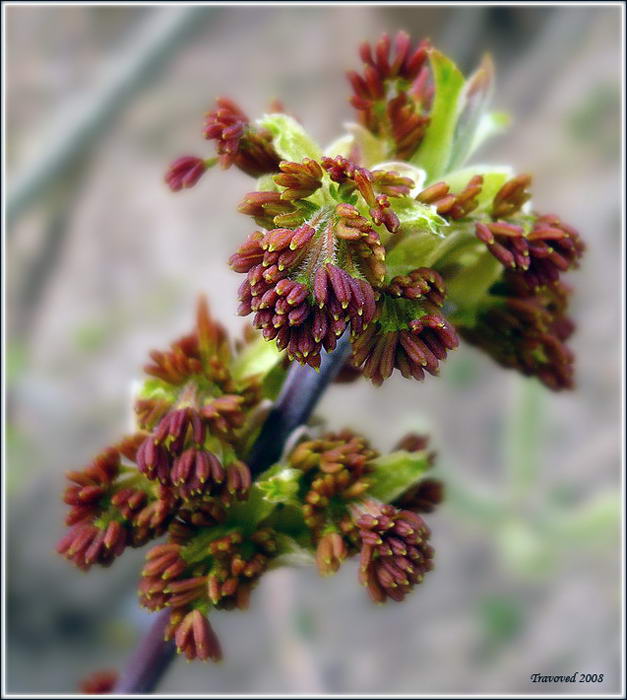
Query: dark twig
x=149, y=661
x=129, y=73
x=301, y=391
x=299, y=395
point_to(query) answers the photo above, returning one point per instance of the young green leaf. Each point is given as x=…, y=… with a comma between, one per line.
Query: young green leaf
x=290, y=140
x=494, y=177
x=416, y=175
x=369, y=148
x=490, y=124
x=281, y=487
x=474, y=101
x=154, y=388
x=434, y=152
x=394, y=473
x=413, y=250
x=257, y=358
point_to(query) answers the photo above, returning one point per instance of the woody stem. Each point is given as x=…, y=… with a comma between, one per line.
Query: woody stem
x=301, y=391
x=299, y=395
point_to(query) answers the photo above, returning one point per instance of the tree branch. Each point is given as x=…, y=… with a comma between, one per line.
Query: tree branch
x=128, y=72
x=149, y=661
x=301, y=391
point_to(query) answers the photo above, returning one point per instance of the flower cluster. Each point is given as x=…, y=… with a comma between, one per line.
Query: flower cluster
x=179, y=474
x=336, y=468
x=521, y=321
x=393, y=95
x=394, y=555
x=340, y=474
x=308, y=285
x=182, y=476
x=238, y=142
x=206, y=563
x=385, y=238
x=527, y=331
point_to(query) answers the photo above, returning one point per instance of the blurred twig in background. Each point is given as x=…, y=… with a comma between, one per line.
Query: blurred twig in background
x=122, y=80
x=531, y=530
x=54, y=178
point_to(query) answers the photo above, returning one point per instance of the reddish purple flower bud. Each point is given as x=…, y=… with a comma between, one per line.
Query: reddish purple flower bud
x=340, y=284
x=195, y=638
x=387, y=105
x=423, y=283
x=321, y=286
x=390, y=183
x=538, y=257
x=300, y=180
x=238, y=479
x=525, y=331
x=511, y=197
x=238, y=142
x=99, y=683
x=84, y=545
x=185, y=172
x=153, y=461
x=394, y=554
x=197, y=472
x=412, y=351
x=330, y=553
x=424, y=497
x=383, y=214
x=449, y=205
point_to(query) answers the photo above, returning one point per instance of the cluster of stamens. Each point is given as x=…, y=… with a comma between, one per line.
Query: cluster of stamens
x=393, y=95
x=394, y=552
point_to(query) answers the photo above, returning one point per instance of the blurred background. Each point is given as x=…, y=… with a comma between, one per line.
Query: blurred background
x=105, y=263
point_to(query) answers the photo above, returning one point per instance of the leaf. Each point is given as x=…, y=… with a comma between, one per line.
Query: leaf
x=292, y=553
x=340, y=147
x=420, y=234
x=466, y=289
x=252, y=511
x=277, y=485
x=395, y=314
x=395, y=472
x=281, y=487
x=410, y=254
x=494, y=177
x=154, y=388
x=434, y=152
x=417, y=175
x=257, y=359
x=370, y=148
x=474, y=101
x=417, y=217
x=490, y=124
x=290, y=140
x=266, y=183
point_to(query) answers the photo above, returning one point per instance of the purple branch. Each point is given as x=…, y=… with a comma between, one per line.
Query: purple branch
x=149, y=661
x=299, y=395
